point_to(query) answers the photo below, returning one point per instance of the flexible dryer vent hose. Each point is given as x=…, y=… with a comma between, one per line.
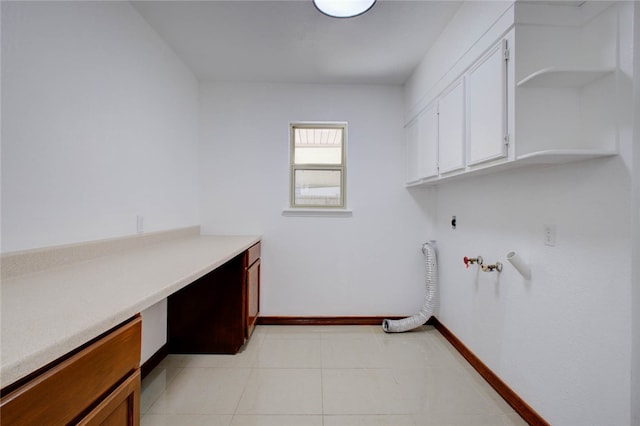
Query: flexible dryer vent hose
x=409, y=323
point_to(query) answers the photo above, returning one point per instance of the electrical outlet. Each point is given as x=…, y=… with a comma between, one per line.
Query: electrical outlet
x=550, y=235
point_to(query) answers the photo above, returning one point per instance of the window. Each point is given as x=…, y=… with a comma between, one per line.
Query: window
x=318, y=163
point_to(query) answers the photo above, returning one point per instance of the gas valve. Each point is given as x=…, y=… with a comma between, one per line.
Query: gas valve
x=489, y=268
x=472, y=260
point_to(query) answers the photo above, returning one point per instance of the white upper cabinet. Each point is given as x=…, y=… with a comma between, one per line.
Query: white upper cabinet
x=451, y=119
x=487, y=107
x=413, y=156
x=536, y=88
x=465, y=127
x=428, y=123
x=422, y=145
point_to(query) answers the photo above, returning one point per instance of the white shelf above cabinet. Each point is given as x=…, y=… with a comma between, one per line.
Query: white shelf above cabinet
x=554, y=77
x=559, y=156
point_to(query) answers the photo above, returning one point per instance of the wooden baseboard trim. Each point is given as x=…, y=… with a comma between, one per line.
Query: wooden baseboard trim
x=521, y=407
x=342, y=320
x=153, y=362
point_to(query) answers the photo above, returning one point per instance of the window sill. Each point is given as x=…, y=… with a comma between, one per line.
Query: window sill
x=317, y=212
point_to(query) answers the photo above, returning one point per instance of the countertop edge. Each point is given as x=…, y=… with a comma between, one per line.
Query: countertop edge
x=17, y=369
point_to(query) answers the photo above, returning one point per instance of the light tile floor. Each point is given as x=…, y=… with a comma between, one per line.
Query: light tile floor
x=324, y=376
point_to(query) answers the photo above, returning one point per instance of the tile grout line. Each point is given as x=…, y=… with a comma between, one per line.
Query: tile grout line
x=326, y=340
x=167, y=384
x=253, y=365
x=244, y=389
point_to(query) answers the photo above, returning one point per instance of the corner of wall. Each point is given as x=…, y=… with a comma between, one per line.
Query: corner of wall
x=635, y=273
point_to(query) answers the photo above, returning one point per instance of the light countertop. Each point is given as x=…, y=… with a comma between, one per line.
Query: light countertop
x=48, y=313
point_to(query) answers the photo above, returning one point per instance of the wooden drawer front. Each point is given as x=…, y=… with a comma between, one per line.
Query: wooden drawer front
x=62, y=393
x=120, y=408
x=253, y=254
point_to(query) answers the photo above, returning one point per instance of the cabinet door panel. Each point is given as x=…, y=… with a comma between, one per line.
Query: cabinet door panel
x=486, y=107
x=120, y=408
x=428, y=142
x=451, y=129
x=253, y=296
x=413, y=155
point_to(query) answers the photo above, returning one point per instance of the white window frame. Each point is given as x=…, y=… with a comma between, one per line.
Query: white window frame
x=310, y=208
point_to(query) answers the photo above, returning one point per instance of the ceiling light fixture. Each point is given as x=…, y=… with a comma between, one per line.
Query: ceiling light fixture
x=343, y=8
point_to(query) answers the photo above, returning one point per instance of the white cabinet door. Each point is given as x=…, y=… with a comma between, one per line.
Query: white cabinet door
x=422, y=145
x=486, y=107
x=451, y=126
x=428, y=142
x=413, y=154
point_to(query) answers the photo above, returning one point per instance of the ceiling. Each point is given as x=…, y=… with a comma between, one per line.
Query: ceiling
x=290, y=41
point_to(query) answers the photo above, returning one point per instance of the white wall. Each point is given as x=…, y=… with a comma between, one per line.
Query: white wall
x=367, y=264
x=563, y=337
x=99, y=125
x=635, y=209
x=561, y=340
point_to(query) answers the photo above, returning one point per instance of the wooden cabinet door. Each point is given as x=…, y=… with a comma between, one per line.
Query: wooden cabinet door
x=451, y=129
x=486, y=107
x=120, y=408
x=253, y=296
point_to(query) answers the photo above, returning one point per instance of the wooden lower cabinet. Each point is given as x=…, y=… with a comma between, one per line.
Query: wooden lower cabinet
x=252, y=282
x=97, y=385
x=217, y=312
x=120, y=408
